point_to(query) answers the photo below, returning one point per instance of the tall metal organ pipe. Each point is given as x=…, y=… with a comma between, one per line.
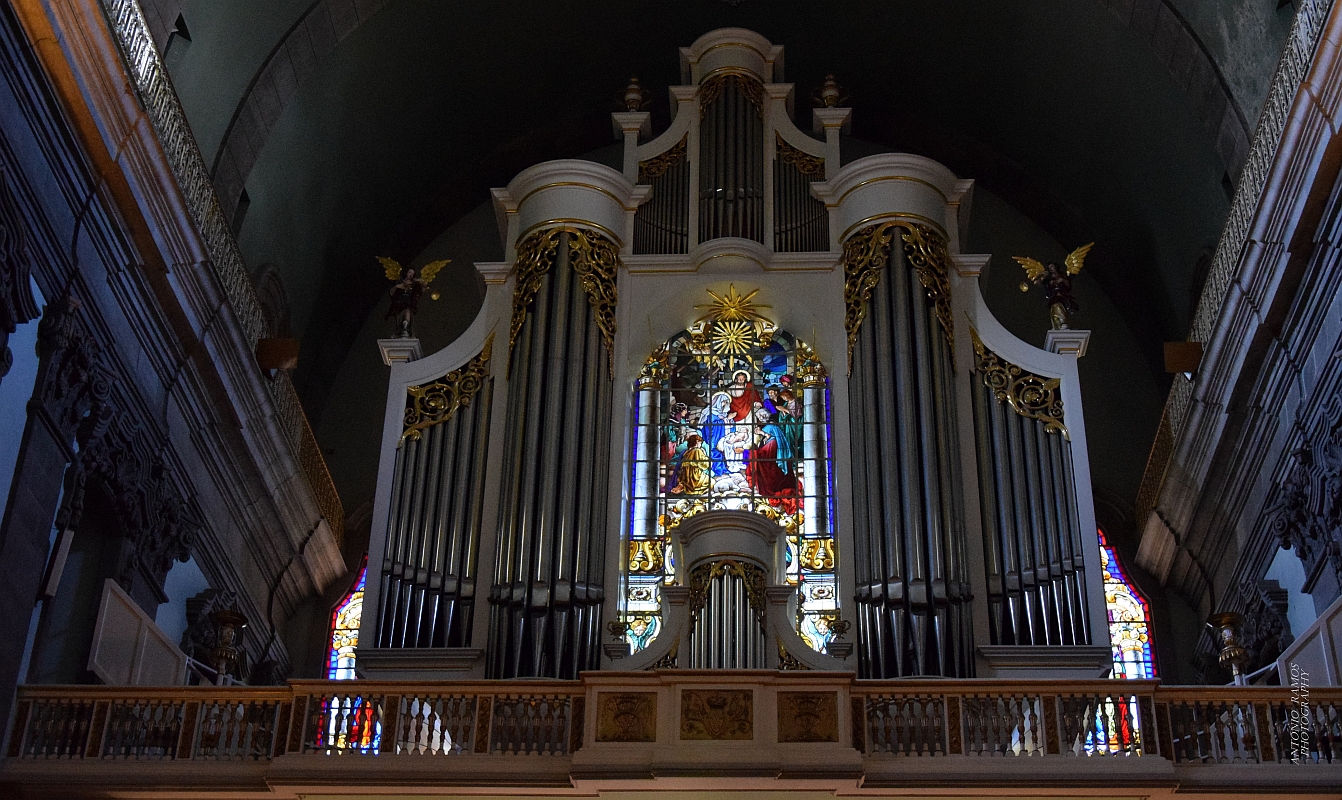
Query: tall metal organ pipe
x=913, y=590
x=1033, y=542
x=547, y=593
x=731, y=159
x=429, y=571
x=661, y=225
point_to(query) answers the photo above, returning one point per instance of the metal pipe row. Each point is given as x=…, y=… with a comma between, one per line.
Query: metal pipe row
x=428, y=573
x=731, y=167
x=727, y=633
x=548, y=582
x=912, y=588
x=662, y=225
x=801, y=223
x=1033, y=541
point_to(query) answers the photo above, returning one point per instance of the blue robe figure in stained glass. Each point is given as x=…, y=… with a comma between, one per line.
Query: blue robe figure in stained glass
x=713, y=424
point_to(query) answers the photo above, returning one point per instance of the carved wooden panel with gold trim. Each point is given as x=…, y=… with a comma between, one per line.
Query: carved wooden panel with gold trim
x=717, y=714
x=808, y=717
x=626, y=717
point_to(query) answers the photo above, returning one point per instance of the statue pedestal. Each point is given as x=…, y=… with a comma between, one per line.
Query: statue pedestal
x=1068, y=342
x=399, y=350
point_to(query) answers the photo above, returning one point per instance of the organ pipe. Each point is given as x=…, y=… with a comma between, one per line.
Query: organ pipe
x=731, y=159
x=547, y=593
x=913, y=590
x=429, y=569
x=1032, y=533
x=662, y=224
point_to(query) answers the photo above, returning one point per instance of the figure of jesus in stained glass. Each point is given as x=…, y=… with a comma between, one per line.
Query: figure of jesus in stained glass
x=733, y=414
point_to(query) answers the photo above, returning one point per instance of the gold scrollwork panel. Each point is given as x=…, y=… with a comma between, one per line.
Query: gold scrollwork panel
x=750, y=574
x=431, y=403
x=626, y=717
x=867, y=253
x=805, y=163
x=808, y=717
x=658, y=165
x=717, y=714
x=594, y=259
x=748, y=85
x=1032, y=396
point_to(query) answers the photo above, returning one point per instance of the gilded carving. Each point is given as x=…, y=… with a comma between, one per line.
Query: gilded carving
x=748, y=85
x=657, y=369
x=594, y=259
x=658, y=165
x=926, y=251
x=953, y=727
x=668, y=661
x=717, y=714
x=436, y=402
x=1029, y=395
x=646, y=555
x=805, y=163
x=867, y=253
x=626, y=717
x=750, y=574
x=787, y=661
x=808, y=717
x=817, y=554
x=811, y=374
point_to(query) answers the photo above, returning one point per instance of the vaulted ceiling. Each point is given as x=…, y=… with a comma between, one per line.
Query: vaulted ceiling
x=368, y=127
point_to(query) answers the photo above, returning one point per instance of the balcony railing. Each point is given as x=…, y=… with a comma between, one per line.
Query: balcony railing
x=154, y=89
x=626, y=725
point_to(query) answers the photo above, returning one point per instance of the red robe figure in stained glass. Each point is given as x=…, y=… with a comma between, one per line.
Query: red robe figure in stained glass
x=769, y=467
x=744, y=396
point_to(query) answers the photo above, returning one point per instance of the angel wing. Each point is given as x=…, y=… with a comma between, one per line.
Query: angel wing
x=392, y=268
x=1077, y=258
x=430, y=270
x=1033, y=269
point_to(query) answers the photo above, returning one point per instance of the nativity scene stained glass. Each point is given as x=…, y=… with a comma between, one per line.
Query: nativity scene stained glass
x=345, y=619
x=1129, y=619
x=732, y=413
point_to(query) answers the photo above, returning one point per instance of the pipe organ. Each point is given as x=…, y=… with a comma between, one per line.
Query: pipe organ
x=734, y=405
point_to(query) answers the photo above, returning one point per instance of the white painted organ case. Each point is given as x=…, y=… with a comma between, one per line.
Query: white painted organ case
x=736, y=405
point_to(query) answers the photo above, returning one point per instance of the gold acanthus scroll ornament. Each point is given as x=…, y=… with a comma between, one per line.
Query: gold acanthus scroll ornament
x=748, y=85
x=867, y=253
x=594, y=259
x=658, y=165
x=436, y=402
x=1029, y=395
x=807, y=164
x=750, y=574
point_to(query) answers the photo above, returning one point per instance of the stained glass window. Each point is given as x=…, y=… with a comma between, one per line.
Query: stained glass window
x=732, y=413
x=1129, y=619
x=345, y=630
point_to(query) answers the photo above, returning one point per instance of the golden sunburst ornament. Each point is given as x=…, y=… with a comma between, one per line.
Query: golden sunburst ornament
x=733, y=338
x=732, y=327
x=732, y=306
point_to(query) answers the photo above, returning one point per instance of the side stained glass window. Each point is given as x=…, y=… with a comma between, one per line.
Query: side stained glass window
x=1129, y=619
x=345, y=631
x=732, y=413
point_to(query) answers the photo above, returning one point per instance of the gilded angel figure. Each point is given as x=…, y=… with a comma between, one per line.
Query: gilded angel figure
x=407, y=288
x=1057, y=283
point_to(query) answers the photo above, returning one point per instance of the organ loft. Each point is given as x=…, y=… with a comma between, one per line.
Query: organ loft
x=739, y=454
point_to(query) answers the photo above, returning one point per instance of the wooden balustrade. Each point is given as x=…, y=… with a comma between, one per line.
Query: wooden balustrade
x=552, y=722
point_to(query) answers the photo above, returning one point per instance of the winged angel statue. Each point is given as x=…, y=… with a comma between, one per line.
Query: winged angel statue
x=1057, y=283
x=407, y=288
